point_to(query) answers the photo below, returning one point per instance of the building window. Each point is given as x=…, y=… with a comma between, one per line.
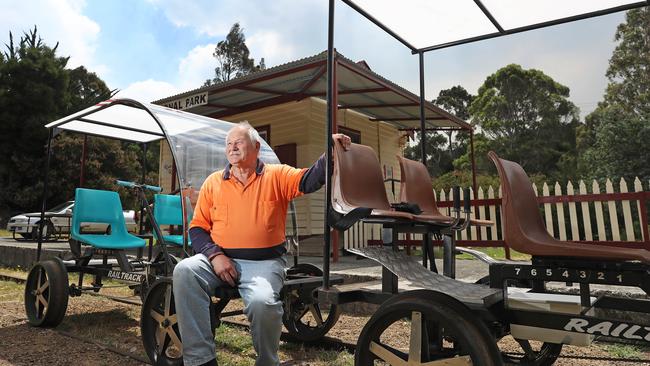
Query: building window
x=354, y=135
x=265, y=133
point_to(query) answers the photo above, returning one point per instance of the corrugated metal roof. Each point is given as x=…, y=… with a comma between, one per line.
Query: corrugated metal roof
x=360, y=89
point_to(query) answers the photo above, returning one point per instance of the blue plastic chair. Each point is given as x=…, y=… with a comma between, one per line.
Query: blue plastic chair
x=92, y=205
x=167, y=210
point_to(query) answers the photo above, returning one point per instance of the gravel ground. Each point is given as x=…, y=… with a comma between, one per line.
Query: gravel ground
x=116, y=325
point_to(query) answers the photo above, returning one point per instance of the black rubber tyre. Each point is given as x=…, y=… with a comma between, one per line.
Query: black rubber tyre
x=307, y=321
x=544, y=355
x=159, y=326
x=440, y=330
x=46, y=293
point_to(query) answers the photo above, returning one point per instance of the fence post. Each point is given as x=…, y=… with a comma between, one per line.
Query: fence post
x=548, y=212
x=559, y=207
x=627, y=214
x=613, y=217
x=573, y=215
x=586, y=216
x=638, y=187
x=598, y=206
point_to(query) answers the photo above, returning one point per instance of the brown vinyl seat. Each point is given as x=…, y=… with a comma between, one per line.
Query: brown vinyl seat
x=415, y=187
x=524, y=230
x=357, y=182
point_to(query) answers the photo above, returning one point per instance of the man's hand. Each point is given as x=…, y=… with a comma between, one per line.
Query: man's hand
x=223, y=267
x=344, y=140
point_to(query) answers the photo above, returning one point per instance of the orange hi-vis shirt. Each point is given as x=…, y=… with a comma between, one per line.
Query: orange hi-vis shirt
x=251, y=216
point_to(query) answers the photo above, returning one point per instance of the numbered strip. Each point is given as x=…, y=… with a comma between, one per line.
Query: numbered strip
x=570, y=275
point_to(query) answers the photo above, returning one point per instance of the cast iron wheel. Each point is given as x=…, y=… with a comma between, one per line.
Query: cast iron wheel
x=440, y=333
x=307, y=320
x=46, y=293
x=159, y=325
x=48, y=231
x=545, y=354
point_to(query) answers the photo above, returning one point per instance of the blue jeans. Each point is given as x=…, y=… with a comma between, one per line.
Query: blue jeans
x=259, y=285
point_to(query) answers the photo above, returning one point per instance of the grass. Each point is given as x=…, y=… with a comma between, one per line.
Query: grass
x=235, y=348
x=5, y=234
x=624, y=351
x=494, y=252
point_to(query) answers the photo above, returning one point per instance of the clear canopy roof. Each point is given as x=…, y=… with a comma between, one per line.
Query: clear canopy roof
x=432, y=24
x=197, y=143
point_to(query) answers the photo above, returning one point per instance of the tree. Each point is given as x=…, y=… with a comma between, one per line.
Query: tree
x=438, y=160
x=36, y=88
x=612, y=143
x=233, y=57
x=455, y=100
x=33, y=91
x=528, y=118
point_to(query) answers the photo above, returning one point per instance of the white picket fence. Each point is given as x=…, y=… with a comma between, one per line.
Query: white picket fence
x=613, y=217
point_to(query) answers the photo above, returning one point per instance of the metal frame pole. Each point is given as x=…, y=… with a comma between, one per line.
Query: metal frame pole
x=44, y=201
x=84, y=153
x=423, y=130
x=328, y=144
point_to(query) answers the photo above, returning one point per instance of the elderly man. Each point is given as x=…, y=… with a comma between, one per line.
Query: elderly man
x=238, y=234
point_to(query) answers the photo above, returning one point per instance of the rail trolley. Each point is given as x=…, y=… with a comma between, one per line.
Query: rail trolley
x=197, y=146
x=449, y=322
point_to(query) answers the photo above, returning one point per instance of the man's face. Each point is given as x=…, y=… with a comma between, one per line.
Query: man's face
x=240, y=151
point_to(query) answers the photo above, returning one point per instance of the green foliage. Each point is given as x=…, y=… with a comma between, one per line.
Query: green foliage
x=527, y=116
x=233, y=57
x=35, y=89
x=612, y=143
x=440, y=152
x=438, y=159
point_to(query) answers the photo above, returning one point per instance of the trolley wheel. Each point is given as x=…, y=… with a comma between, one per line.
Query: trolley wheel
x=441, y=331
x=545, y=355
x=48, y=231
x=307, y=320
x=46, y=293
x=159, y=325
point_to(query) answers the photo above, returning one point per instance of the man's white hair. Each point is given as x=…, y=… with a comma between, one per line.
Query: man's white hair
x=253, y=135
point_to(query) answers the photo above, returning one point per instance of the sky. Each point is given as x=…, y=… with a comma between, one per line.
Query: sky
x=150, y=49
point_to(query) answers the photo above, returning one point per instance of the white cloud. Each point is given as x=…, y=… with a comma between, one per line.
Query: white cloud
x=57, y=21
x=272, y=46
x=193, y=70
x=148, y=90
x=196, y=67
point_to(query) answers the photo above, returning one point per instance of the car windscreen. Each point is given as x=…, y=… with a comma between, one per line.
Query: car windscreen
x=60, y=207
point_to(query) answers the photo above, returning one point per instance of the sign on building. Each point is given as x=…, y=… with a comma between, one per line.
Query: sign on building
x=189, y=101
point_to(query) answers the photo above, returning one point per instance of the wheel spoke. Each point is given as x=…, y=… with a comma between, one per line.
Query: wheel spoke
x=40, y=273
x=456, y=361
x=302, y=314
x=315, y=311
x=174, y=337
x=42, y=300
x=168, y=300
x=160, y=338
x=415, y=343
x=157, y=316
x=172, y=319
x=44, y=286
x=386, y=355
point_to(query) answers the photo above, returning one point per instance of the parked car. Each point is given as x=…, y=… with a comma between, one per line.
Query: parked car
x=58, y=220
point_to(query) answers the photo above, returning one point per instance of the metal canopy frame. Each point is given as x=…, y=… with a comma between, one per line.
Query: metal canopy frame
x=196, y=143
x=332, y=91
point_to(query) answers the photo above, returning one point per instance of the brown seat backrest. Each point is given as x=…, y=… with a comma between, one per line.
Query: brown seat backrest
x=519, y=202
x=415, y=186
x=524, y=230
x=357, y=179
